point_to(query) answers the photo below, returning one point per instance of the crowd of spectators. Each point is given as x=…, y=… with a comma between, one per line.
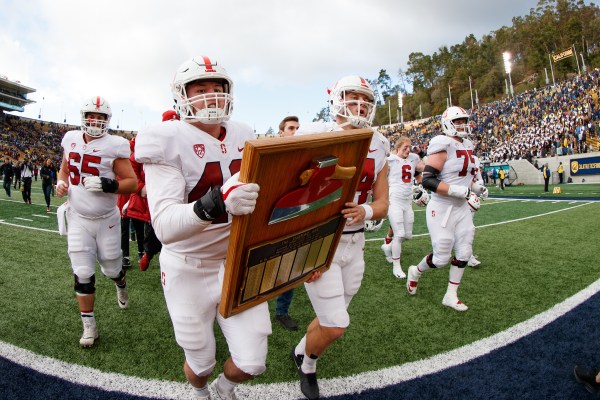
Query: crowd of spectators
x=32, y=139
x=35, y=140
x=555, y=120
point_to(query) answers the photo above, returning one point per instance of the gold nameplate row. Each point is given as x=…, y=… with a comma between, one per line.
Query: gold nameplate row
x=275, y=264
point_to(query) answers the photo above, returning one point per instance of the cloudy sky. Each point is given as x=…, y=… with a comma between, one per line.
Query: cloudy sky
x=282, y=55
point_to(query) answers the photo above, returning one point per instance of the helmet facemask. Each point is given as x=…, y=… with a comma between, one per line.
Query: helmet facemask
x=94, y=127
x=209, y=108
x=345, y=96
x=212, y=107
x=458, y=129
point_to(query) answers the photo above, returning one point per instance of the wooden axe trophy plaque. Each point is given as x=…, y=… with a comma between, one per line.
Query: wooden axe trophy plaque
x=297, y=223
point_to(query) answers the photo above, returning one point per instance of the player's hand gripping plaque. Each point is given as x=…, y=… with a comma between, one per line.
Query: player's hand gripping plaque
x=297, y=223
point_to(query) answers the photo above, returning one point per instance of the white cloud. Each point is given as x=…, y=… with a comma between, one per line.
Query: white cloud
x=282, y=55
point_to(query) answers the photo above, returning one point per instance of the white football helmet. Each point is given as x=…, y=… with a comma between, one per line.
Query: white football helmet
x=451, y=129
x=95, y=127
x=373, y=225
x=338, y=104
x=202, y=68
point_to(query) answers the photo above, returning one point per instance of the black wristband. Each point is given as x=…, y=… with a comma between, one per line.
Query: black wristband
x=210, y=206
x=109, y=185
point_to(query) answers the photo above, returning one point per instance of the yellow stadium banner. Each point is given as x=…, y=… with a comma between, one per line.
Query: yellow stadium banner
x=556, y=190
x=561, y=55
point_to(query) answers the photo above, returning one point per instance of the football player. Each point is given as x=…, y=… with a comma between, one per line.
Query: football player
x=449, y=220
x=92, y=161
x=351, y=105
x=403, y=166
x=191, y=167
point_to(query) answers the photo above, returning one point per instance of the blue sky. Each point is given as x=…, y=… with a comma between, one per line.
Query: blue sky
x=281, y=55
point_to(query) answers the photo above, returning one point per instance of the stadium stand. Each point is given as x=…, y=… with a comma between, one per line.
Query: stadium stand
x=555, y=120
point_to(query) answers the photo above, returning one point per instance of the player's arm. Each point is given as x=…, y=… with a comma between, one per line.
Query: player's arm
x=419, y=172
x=172, y=219
x=431, y=181
x=127, y=178
x=62, y=182
x=356, y=213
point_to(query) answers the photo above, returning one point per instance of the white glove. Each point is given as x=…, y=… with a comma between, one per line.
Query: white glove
x=420, y=196
x=92, y=183
x=479, y=189
x=459, y=191
x=240, y=198
x=484, y=193
x=473, y=202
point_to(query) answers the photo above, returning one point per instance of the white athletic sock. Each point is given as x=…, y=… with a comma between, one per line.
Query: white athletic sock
x=455, y=277
x=203, y=391
x=309, y=365
x=396, y=248
x=300, y=347
x=422, y=265
x=224, y=385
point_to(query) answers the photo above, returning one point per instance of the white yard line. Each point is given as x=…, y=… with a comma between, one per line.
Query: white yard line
x=290, y=390
x=504, y=222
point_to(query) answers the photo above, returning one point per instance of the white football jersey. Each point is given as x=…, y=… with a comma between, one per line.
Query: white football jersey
x=374, y=163
x=182, y=163
x=476, y=172
x=95, y=158
x=401, y=174
x=458, y=167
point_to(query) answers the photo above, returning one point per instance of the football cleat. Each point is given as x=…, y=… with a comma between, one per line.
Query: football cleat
x=144, y=262
x=587, y=377
x=308, y=382
x=387, y=250
x=398, y=273
x=473, y=262
x=126, y=262
x=413, y=280
x=214, y=388
x=452, y=301
x=90, y=333
x=122, y=297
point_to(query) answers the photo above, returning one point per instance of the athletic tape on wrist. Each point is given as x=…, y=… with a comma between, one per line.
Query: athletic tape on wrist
x=368, y=211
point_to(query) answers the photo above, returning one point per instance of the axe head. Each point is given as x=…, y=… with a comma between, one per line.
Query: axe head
x=321, y=188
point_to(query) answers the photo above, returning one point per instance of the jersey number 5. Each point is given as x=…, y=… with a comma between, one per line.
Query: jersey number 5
x=86, y=168
x=468, y=156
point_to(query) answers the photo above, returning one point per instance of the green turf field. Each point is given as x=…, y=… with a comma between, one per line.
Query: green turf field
x=535, y=253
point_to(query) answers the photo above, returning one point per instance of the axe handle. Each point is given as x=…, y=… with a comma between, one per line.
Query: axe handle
x=305, y=176
x=343, y=172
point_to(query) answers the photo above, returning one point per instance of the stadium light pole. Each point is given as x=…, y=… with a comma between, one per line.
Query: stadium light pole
x=471, y=91
x=576, y=59
x=551, y=70
x=507, y=68
x=400, y=104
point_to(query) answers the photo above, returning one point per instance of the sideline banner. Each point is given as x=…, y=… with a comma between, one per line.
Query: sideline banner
x=561, y=55
x=585, y=166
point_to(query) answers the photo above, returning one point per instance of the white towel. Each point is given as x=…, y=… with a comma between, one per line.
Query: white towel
x=61, y=215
